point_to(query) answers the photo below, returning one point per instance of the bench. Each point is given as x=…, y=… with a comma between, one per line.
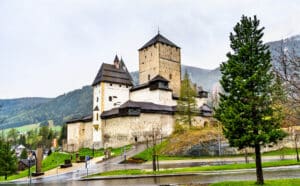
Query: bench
x=81, y=159
x=67, y=164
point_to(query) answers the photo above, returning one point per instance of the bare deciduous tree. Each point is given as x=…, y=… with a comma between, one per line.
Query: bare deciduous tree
x=287, y=68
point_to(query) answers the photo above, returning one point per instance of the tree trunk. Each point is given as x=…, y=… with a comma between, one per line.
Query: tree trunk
x=246, y=156
x=5, y=176
x=259, y=172
x=154, y=162
x=296, y=147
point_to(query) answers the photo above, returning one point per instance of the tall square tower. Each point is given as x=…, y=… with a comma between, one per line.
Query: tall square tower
x=160, y=56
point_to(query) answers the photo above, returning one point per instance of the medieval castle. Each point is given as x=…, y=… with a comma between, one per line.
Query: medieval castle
x=124, y=113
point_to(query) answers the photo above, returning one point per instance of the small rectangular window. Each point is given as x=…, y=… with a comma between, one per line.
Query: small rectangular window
x=110, y=84
x=120, y=85
x=148, y=76
x=109, y=98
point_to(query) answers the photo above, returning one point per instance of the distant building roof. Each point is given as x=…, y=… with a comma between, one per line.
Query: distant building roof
x=82, y=119
x=205, y=110
x=144, y=107
x=114, y=73
x=158, y=39
x=26, y=162
x=21, y=147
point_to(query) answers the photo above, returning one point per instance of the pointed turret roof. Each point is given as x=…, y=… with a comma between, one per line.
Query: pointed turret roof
x=110, y=74
x=116, y=58
x=159, y=39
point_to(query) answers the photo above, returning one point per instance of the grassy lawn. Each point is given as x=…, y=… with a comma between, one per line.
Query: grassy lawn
x=89, y=152
x=58, y=158
x=50, y=162
x=281, y=182
x=283, y=151
x=100, y=152
x=146, y=155
x=198, y=169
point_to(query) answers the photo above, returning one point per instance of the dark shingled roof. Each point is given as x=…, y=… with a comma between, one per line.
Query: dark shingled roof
x=159, y=78
x=205, y=110
x=146, y=85
x=159, y=39
x=26, y=162
x=82, y=119
x=145, y=107
x=110, y=74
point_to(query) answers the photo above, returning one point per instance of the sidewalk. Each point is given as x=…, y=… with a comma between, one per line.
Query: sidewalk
x=58, y=170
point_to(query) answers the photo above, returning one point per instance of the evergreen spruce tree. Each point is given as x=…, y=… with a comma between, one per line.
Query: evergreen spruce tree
x=63, y=134
x=186, y=104
x=8, y=159
x=246, y=108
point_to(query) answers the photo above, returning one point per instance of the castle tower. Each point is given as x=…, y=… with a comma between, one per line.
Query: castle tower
x=160, y=56
x=110, y=89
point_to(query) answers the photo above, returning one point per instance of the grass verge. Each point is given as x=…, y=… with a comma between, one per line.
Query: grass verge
x=197, y=169
x=146, y=155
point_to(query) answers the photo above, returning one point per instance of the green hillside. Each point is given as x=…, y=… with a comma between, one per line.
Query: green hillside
x=76, y=103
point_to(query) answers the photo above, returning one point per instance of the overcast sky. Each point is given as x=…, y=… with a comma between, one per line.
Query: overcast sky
x=48, y=48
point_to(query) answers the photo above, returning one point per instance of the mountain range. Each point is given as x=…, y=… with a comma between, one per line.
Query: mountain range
x=78, y=103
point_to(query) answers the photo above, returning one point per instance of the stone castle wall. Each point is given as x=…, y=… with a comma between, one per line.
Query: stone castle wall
x=121, y=131
x=80, y=135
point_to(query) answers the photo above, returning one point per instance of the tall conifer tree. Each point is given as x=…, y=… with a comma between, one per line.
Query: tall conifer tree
x=186, y=105
x=245, y=110
x=8, y=159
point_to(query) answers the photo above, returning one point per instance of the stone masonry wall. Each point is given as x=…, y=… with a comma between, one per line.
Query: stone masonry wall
x=122, y=131
x=170, y=66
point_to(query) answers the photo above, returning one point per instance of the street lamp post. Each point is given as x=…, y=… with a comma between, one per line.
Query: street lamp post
x=30, y=158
